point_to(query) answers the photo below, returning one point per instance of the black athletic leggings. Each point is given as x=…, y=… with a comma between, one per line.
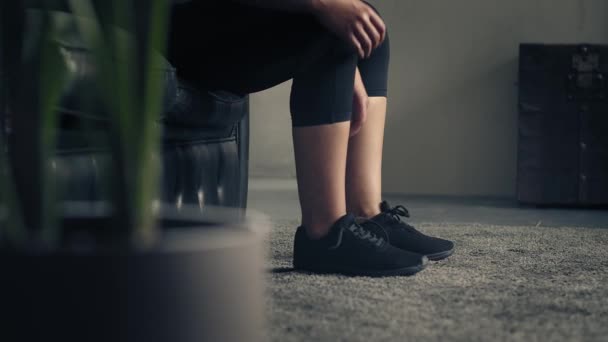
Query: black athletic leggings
x=219, y=45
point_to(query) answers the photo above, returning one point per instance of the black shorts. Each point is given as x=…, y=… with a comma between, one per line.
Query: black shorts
x=245, y=49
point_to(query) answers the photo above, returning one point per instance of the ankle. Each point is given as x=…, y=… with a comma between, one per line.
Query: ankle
x=317, y=230
x=316, y=233
x=365, y=211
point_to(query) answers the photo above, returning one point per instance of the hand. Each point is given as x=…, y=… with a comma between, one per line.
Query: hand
x=360, y=103
x=354, y=21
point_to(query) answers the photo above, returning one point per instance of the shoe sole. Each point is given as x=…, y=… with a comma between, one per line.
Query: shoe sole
x=406, y=271
x=440, y=255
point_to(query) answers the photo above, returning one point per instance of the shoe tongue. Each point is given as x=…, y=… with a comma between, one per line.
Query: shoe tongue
x=383, y=218
x=384, y=206
x=334, y=233
x=346, y=220
x=343, y=223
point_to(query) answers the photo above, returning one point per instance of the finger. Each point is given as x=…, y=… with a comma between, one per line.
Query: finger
x=363, y=115
x=378, y=24
x=358, y=123
x=364, y=40
x=355, y=127
x=373, y=33
x=355, y=43
x=355, y=124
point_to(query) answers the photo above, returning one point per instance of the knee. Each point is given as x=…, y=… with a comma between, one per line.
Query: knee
x=385, y=43
x=324, y=93
x=374, y=8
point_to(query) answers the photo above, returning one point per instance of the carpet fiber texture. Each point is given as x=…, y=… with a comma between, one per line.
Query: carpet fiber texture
x=502, y=284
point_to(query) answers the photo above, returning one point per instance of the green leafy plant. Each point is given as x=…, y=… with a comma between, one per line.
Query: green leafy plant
x=132, y=96
x=132, y=91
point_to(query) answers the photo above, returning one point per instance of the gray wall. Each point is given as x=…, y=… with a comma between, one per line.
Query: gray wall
x=452, y=116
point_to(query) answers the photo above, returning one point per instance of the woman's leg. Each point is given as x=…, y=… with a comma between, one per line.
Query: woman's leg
x=320, y=153
x=364, y=168
x=321, y=106
x=364, y=164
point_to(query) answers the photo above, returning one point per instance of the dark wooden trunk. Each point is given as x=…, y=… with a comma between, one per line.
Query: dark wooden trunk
x=563, y=125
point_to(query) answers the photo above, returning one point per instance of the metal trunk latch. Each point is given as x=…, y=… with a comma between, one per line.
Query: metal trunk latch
x=585, y=80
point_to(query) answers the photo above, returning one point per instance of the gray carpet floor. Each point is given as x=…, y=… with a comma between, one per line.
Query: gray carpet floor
x=502, y=284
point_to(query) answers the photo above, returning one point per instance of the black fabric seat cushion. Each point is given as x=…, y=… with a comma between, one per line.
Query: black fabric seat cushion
x=200, y=173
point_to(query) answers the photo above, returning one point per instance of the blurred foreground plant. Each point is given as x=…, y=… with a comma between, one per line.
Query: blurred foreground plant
x=132, y=92
x=132, y=96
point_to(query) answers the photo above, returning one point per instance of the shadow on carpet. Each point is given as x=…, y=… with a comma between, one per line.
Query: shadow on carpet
x=502, y=284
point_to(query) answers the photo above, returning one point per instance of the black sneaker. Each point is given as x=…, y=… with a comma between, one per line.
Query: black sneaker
x=406, y=237
x=352, y=249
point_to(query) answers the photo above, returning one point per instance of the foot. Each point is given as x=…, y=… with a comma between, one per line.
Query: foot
x=406, y=237
x=353, y=249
